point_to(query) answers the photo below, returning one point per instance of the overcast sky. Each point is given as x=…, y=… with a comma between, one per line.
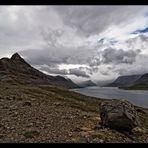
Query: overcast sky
x=79, y=42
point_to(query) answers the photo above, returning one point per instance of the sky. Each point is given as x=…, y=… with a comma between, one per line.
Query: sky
x=79, y=42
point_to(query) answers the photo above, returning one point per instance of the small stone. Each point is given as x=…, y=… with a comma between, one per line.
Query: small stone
x=33, y=99
x=101, y=141
x=97, y=118
x=140, y=111
x=14, y=97
x=138, y=131
x=85, y=129
x=2, y=100
x=96, y=140
x=5, y=107
x=1, y=136
x=15, y=113
x=30, y=124
x=84, y=134
x=57, y=103
x=13, y=107
x=98, y=126
x=8, y=127
x=70, y=134
x=7, y=98
x=1, y=125
x=86, y=115
x=77, y=129
x=12, y=128
x=27, y=104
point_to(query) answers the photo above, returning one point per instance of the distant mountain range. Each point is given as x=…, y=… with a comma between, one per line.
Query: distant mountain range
x=86, y=83
x=103, y=83
x=131, y=82
x=16, y=69
x=124, y=80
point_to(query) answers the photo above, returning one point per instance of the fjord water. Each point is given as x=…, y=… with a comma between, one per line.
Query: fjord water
x=137, y=97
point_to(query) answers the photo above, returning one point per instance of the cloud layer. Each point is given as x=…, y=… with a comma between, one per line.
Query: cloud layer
x=92, y=42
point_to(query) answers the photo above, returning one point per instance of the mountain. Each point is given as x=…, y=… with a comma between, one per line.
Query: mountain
x=124, y=81
x=143, y=79
x=141, y=83
x=86, y=83
x=103, y=83
x=131, y=82
x=16, y=69
x=46, y=113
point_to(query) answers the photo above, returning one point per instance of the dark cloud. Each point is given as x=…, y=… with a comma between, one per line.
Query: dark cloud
x=52, y=58
x=60, y=55
x=141, y=37
x=137, y=67
x=54, y=35
x=51, y=36
x=78, y=72
x=88, y=20
x=94, y=61
x=114, y=56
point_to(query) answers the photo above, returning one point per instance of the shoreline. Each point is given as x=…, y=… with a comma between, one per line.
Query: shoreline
x=113, y=93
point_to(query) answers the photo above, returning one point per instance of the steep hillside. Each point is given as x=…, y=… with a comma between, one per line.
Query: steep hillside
x=16, y=69
x=34, y=108
x=45, y=113
x=124, y=81
x=139, y=84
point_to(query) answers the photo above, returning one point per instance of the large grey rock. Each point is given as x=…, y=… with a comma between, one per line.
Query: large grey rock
x=119, y=114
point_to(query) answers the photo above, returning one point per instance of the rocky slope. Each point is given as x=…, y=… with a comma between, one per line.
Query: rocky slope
x=16, y=69
x=33, y=110
x=45, y=114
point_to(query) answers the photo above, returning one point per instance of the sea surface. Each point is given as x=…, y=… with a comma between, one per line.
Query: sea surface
x=137, y=97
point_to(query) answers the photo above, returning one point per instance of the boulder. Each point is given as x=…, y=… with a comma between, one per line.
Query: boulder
x=119, y=115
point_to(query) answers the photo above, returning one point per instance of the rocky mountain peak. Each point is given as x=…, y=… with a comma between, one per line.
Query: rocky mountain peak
x=24, y=73
x=18, y=59
x=16, y=56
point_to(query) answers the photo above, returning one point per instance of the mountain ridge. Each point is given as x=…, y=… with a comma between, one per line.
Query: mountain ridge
x=140, y=84
x=126, y=80
x=136, y=82
x=17, y=69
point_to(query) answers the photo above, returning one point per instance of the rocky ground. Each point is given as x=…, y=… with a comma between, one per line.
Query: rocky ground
x=46, y=114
